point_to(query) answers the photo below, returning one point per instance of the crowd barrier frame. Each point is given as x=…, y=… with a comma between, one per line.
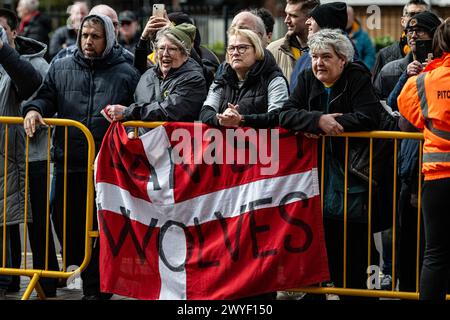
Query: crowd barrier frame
x=36, y=274
x=371, y=135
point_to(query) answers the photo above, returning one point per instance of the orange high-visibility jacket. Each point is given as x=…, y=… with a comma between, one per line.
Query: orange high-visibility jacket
x=425, y=102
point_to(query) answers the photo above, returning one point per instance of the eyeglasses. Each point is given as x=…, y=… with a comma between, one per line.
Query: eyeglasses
x=125, y=23
x=170, y=50
x=240, y=48
x=411, y=14
x=419, y=32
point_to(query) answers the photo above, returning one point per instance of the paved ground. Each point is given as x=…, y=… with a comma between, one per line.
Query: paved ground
x=62, y=293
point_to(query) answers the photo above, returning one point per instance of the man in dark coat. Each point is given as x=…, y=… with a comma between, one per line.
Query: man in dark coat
x=78, y=87
x=399, y=49
x=33, y=23
x=66, y=36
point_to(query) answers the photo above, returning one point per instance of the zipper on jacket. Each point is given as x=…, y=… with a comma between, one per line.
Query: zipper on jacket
x=91, y=98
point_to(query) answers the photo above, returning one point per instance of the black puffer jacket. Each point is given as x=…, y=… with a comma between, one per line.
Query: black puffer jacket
x=252, y=96
x=387, y=78
x=38, y=29
x=78, y=88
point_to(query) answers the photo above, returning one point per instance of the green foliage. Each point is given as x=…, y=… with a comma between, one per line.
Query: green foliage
x=218, y=47
x=383, y=41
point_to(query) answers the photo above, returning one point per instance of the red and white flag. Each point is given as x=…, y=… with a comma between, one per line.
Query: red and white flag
x=171, y=230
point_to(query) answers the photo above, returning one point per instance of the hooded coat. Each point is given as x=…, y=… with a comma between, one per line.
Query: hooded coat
x=21, y=74
x=78, y=88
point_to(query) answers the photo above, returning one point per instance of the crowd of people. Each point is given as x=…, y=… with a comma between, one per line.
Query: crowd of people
x=321, y=78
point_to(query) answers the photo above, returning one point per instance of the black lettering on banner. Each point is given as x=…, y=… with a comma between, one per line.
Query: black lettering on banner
x=172, y=169
x=189, y=245
x=234, y=252
x=117, y=154
x=254, y=229
x=213, y=154
x=295, y=222
x=192, y=170
x=153, y=178
x=201, y=238
x=299, y=138
x=248, y=149
x=127, y=229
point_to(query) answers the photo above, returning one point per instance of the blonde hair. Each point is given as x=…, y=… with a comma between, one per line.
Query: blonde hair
x=252, y=37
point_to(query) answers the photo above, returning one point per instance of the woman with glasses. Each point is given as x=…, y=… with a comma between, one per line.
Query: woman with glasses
x=171, y=90
x=251, y=89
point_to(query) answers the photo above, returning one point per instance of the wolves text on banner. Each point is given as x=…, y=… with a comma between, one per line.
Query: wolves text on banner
x=206, y=231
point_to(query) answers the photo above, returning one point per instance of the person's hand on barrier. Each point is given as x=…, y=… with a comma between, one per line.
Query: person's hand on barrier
x=329, y=125
x=311, y=135
x=115, y=111
x=31, y=121
x=131, y=135
x=154, y=24
x=414, y=68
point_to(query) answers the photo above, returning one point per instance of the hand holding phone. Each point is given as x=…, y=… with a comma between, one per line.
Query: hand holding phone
x=423, y=50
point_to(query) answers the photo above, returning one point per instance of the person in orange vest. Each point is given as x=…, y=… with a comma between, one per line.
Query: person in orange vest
x=425, y=103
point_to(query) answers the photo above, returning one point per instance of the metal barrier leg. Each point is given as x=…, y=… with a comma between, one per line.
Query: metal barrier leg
x=34, y=283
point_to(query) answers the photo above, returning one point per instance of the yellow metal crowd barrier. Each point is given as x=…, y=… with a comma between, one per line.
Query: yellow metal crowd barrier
x=393, y=293
x=370, y=137
x=36, y=274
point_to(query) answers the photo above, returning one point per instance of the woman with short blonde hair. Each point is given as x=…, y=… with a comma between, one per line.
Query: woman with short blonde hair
x=251, y=89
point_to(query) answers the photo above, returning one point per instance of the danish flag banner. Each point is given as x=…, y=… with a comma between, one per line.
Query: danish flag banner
x=187, y=211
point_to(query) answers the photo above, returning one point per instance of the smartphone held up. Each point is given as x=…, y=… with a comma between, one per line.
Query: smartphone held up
x=158, y=10
x=424, y=51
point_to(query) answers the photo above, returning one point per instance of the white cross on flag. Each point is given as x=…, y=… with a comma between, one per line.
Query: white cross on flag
x=208, y=230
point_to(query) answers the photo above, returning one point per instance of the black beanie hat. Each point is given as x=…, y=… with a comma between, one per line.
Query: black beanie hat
x=179, y=17
x=426, y=20
x=331, y=15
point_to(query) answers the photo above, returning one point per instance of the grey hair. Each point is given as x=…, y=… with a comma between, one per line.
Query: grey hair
x=260, y=28
x=417, y=3
x=165, y=33
x=334, y=38
x=31, y=4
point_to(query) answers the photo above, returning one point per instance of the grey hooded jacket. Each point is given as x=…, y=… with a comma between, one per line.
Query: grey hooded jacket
x=78, y=88
x=18, y=80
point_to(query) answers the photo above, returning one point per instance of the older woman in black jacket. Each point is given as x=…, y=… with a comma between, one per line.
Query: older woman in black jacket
x=333, y=97
x=251, y=89
x=172, y=90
